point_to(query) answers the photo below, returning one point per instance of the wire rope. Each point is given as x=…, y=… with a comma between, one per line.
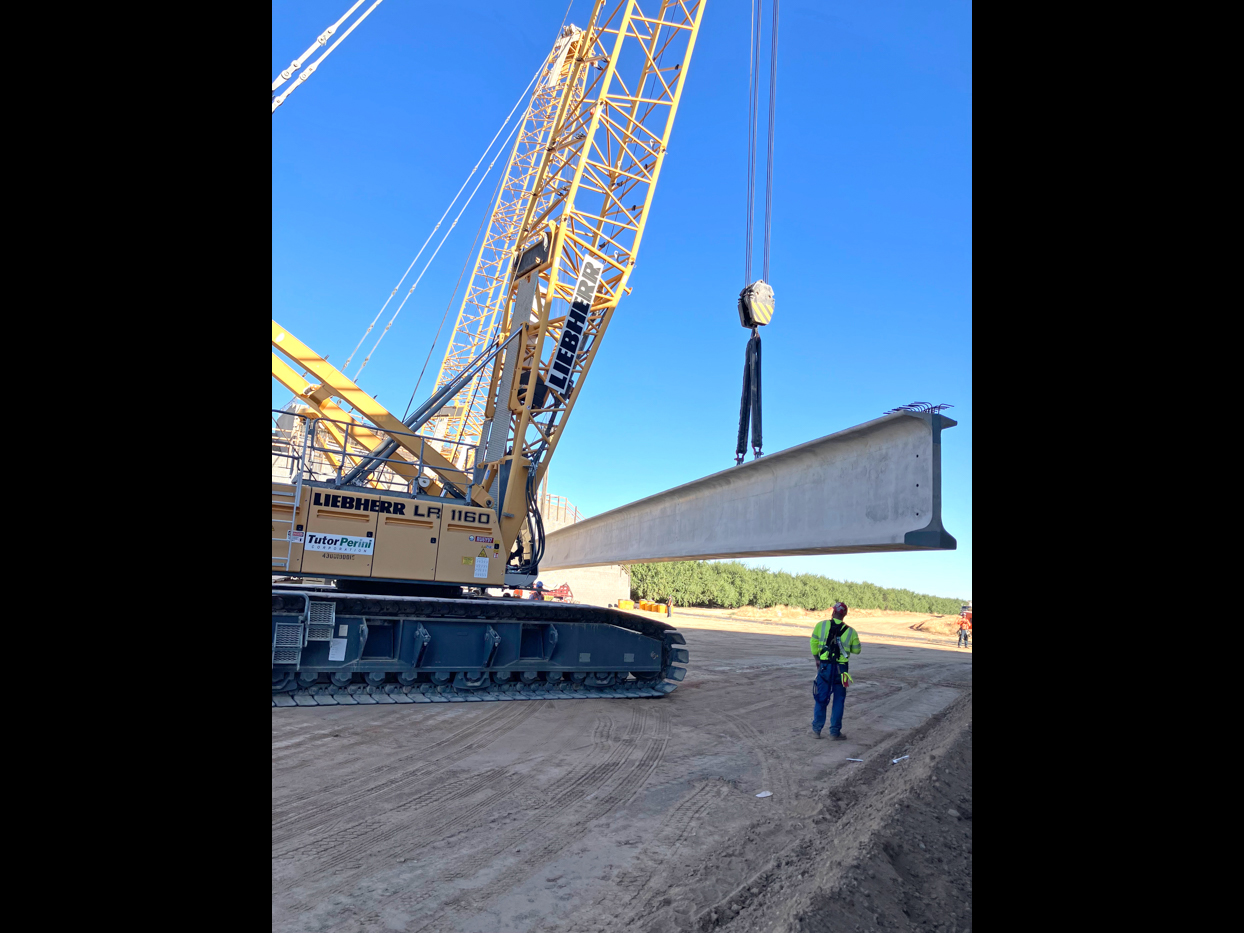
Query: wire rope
x=426, y=265
x=445, y=316
x=753, y=82
x=277, y=101
x=484, y=155
x=773, y=46
x=318, y=43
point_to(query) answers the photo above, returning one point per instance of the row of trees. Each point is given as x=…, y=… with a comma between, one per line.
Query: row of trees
x=730, y=585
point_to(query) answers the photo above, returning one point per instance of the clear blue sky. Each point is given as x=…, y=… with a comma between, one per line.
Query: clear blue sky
x=871, y=234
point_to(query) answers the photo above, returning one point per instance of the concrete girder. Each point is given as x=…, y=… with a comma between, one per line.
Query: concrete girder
x=874, y=487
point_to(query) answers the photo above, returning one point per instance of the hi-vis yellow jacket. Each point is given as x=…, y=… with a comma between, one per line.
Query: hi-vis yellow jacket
x=825, y=652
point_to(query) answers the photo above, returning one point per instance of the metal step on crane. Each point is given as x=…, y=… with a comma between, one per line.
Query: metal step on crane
x=385, y=530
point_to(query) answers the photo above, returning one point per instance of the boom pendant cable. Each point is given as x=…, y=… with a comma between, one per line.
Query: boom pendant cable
x=461, y=272
x=521, y=97
x=294, y=65
x=424, y=270
x=317, y=44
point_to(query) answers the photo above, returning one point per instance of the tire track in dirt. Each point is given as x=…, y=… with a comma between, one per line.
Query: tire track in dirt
x=426, y=806
x=351, y=729
x=599, y=760
x=774, y=766
x=624, y=905
x=466, y=731
x=634, y=780
x=327, y=806
x=361, y=736
x=494, y=789
x=555, y=821
x=464, y=863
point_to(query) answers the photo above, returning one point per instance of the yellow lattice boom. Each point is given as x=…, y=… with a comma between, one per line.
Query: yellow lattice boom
x=586, y=194
x=560, y=86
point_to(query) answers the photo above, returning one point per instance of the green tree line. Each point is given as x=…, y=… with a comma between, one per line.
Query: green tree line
x=729, y=585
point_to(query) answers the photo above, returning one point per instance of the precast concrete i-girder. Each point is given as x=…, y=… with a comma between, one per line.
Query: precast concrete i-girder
x=873, y=487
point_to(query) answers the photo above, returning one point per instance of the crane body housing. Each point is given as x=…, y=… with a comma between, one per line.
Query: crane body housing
x=386, y=533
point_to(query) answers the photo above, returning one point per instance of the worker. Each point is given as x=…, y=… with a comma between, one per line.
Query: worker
x=539, y=593
x=833, y=643
x=965, y=627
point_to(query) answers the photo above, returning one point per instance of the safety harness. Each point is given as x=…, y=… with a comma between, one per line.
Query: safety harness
x=832, y=649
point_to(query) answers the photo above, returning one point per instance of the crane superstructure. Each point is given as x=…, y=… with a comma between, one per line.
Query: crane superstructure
x=398, y=522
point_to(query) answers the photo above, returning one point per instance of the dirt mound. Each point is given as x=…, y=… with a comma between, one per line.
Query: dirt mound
x=772, y=613
x=939, y=625
x=894, y=850
x=795, y=614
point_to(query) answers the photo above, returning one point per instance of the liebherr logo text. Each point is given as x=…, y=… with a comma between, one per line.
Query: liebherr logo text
x=576, y=320
x=358, y=503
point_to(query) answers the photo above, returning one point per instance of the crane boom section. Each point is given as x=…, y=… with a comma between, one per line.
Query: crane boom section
x=334, y=383
x=590, y=203
x=562, y=241
x=560, y=88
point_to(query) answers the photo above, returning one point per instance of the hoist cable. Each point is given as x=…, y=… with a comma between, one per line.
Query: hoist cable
x=482, y=157
x=277, y=101
x=753, y=81
x=424, y=270
x=318, y=43
x=773, y=44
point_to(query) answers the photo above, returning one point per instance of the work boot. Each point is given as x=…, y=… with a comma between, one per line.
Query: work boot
x=837, y=737
x=816, y=734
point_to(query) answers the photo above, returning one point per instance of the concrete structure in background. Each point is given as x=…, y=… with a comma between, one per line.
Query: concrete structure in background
x=873, y=487
x=595, y=586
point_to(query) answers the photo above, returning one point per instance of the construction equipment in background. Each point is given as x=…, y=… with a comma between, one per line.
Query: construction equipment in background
x=647, y=605
x=412, y=527
x=561, y=594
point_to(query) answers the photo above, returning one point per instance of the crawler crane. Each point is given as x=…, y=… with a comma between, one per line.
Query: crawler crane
x=387, y=532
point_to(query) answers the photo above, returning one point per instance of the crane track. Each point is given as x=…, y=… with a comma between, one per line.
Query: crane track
x=479, y=610
x=363, y=695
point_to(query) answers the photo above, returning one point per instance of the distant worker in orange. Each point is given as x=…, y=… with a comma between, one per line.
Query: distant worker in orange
x=538, y=595
x=965, y=627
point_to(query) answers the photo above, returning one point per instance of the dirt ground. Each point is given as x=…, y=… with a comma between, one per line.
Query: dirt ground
x=599, y=815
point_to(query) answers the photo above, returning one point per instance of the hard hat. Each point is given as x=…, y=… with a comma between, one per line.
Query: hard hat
x=539, y=585
x=840, y=609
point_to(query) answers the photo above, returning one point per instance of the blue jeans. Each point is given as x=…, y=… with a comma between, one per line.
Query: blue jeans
x=828, y=684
